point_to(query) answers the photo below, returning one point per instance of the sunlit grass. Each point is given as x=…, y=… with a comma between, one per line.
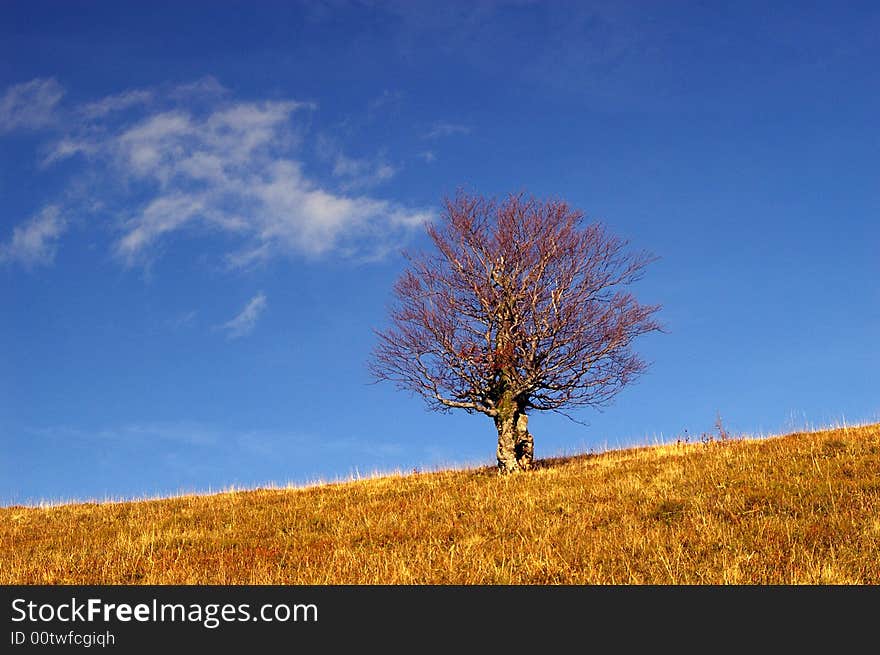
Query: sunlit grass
x=801, y=508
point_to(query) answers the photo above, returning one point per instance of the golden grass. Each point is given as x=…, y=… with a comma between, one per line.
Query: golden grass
x=801, y=508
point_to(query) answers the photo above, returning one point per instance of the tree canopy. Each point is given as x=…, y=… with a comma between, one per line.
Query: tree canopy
x=522, y=305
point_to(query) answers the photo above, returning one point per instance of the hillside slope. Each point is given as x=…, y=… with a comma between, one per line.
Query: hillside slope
x=801, y=508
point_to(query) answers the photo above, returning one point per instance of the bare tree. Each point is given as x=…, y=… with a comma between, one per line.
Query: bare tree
x=520, y=308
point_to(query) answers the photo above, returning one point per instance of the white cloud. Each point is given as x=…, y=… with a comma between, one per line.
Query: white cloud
x=443, y=129
x=34, y=242
x=30, y=105
x=164, y=214
x=232, y=167
x=202, y=87
x=366, y=172
x=68, y=147
x=183, y=320
x=247, y=318
x=384, y=101
x=116, y=102
x=354, y=173
x=297, y=216
x=428, y=156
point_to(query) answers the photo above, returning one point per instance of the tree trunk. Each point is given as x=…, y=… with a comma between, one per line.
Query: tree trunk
x=516, y=449
x=506, y=453
x=524, y=447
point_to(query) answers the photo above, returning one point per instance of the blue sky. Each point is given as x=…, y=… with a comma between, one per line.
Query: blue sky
x=203, y=211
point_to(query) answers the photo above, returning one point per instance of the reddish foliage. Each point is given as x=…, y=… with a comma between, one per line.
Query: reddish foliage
x=521, y=300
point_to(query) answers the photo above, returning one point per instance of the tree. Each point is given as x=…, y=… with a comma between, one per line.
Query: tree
x=522, y=307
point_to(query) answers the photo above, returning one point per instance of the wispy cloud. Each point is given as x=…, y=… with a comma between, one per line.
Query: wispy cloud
x=245, y=321
x=355, y=173
x=203, y=87
x=30, y=105
x=384, y=101
x=117, y=102
x=183, y=432
x=190, y=433
x=442, y=129
x=34, y=242
x=185, y=319
x=361, y=172
x=193, y=158
x=428, y=156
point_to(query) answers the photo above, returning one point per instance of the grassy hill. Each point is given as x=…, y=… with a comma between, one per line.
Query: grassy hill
x=801, y=508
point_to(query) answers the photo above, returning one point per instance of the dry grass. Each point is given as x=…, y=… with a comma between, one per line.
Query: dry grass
x=802, y=508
